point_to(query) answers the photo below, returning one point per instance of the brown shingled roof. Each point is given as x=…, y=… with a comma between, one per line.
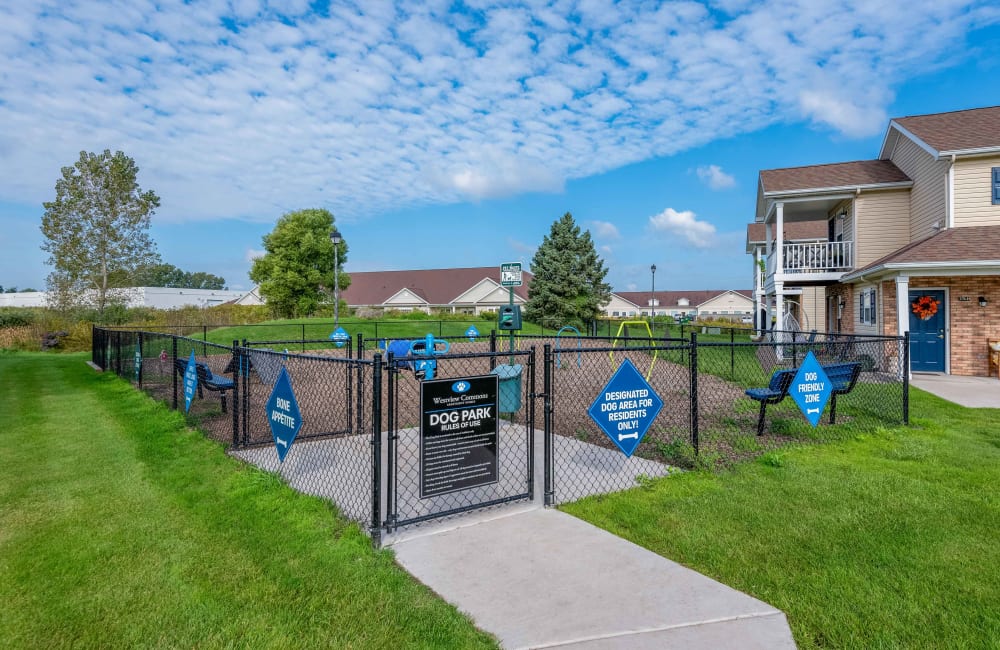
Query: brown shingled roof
x=847, y=174
x=794, y=230
x=436, y=286
x=976, y=128
x=969, y=244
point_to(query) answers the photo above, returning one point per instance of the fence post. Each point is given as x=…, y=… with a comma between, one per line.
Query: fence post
x=245, y=425
x=237, y=363
x=531, y=425
x=493, y=349
x=141, y=362
x=694, y=392
x=732, y=352
x=906, y=378
x=173, y=367
x=376, y=523
x=303, y=337
x=547, y=424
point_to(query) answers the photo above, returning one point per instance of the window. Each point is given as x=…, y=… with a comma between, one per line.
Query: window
x=996, y=186
x=866, y=307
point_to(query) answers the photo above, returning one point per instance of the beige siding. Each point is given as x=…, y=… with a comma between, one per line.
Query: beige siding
x=883, y=225
x=728, y=304
x=973, y=193
x=813, y=304
x=928, y=202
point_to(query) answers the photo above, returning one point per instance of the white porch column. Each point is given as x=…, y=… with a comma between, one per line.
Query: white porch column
x=779, y=308
x=902, y=312
x=779, y=239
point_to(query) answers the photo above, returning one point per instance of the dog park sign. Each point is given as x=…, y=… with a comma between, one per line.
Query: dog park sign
x=283, y=414
x=458, y=434
x=625, y=408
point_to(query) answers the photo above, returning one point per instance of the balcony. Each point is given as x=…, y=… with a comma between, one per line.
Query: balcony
x=816, y=261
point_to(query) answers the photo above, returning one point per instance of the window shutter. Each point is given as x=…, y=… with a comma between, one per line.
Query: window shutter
x=996, y=186
x=861, y=306
x=873, y=306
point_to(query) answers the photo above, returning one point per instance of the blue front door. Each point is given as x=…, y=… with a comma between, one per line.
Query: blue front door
x=927, y=335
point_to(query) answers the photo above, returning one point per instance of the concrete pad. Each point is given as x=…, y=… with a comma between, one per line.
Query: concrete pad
x=971, y=392
x=543, y=578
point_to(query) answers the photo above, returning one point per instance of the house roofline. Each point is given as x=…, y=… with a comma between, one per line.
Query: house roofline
x=838, y=188
x=988, y=266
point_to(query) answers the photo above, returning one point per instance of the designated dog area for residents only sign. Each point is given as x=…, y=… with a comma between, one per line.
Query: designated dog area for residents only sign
x=458, y=434
x=190, y=381
x=626, y=408
x=283, y=414
x=811, y=389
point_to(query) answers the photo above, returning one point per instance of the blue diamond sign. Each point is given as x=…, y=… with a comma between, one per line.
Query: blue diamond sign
x=283, y=414
x=811, y=389
x=340, y=337
x=625, y=408
x=472, y=333
x=190, y=382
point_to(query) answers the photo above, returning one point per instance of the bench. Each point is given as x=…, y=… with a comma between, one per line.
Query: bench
x=776, y=391
x=842, y=376
x=206, y=380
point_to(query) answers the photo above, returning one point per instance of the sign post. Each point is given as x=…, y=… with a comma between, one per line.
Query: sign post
x=626, y=408
x=811, y=389
x=458, y=434
x=283, y=414
x=510, y=277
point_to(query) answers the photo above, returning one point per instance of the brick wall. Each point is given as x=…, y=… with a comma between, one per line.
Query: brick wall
x=845, y=293
x=971, y=325
x=887, y=291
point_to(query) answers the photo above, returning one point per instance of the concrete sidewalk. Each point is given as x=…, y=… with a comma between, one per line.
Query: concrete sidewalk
x=971, y=392
x=539, y=578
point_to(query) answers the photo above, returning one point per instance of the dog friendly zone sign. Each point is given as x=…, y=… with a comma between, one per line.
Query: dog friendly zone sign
x=626, y=408
x=283, y=414
x=458, y=434
x=811, y=389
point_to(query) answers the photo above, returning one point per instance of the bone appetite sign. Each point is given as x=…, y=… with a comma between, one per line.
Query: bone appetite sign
x=458, y=434
x=626, y=408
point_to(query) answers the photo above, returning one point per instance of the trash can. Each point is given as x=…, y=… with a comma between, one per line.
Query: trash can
x=510, y=387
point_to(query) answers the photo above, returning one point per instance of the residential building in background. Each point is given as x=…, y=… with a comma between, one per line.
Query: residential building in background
x=912, y=242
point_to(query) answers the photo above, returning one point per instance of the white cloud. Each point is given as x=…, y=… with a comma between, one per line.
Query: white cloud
x=250, y=255
x=699, y=234
x=248, y=109
x=607, y=250
x=715, y=178
x=604, y=229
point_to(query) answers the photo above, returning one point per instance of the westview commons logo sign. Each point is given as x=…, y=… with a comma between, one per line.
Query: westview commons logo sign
x=626, y=408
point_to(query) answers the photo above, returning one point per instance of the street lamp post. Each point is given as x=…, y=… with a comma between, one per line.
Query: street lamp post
x=652, y=294
x=336, y=239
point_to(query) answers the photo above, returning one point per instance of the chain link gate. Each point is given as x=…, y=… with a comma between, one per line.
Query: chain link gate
x=431, y=473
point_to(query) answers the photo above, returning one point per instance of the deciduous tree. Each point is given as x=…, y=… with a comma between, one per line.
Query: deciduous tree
x=97, y=230
x=567, y=287
x=295, y=273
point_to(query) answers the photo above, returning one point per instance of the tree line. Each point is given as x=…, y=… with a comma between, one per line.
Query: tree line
x=97, y=236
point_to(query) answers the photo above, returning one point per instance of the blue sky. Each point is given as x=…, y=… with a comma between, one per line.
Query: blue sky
x=453, y=134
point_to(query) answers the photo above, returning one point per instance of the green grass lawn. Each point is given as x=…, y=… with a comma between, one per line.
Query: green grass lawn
x=121, y=528
x=293, y=329
x=886, y=540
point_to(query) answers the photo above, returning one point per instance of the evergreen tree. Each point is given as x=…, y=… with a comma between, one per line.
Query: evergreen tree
x=567, y=287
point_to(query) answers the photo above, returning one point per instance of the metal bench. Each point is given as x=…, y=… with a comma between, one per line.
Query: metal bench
x=843, y=377
x=776, y=391
x=206, y=380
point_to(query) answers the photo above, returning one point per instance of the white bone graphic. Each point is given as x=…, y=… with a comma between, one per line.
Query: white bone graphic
x=281, y=442
x=808, y=411
x=622, y=436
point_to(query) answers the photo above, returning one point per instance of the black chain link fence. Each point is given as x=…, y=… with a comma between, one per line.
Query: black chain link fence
x=725, y=398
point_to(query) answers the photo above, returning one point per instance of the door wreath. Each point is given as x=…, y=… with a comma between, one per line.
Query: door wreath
x=925, y=307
